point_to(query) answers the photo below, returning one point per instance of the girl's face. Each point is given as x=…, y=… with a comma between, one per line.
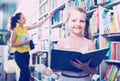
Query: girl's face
x=76, y=22
x=22, y=19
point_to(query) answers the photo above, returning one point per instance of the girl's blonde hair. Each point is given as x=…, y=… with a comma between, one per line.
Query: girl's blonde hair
x=71, y=9
x=87, y=32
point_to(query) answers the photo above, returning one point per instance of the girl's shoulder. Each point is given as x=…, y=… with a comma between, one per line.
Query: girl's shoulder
x=61, y=43
x=89, y=40
x=91, y=44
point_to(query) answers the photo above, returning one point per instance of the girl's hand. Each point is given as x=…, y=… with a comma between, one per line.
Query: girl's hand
x=78, y=64
x=84, y=66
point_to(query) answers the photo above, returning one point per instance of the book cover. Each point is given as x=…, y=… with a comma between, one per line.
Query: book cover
x=24, y=37
x=60, y=59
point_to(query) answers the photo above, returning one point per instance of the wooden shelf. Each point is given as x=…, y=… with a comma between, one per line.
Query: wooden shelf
x=58, y=24
x=44, y=51
x=112, y=61
x=41, y=4
x=95, y=35
x=112, y=36
x=54, y=41
x=111, y=4
x=61, y=6
x=43, y=15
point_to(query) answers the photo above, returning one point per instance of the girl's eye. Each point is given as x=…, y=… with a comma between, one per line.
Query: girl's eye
x=82, y=21
x=73, y=20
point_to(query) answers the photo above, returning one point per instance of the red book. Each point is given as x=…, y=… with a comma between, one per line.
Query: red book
x=108, y=72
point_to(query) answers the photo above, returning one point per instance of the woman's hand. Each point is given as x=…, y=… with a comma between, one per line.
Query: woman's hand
x=51, y=14
x=25, y=42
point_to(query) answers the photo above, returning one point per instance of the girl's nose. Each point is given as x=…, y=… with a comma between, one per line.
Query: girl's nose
x=78, y=23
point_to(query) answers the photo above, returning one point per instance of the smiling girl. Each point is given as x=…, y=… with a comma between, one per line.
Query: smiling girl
x=76, y=21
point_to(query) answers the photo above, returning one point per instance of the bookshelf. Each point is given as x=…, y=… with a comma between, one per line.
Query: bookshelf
x=54, y=29
x=40, y=37
x=112, y=61
x=112, y=36
x=113, y=56
x=108, y=31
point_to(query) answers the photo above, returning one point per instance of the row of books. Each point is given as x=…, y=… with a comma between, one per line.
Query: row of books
x=43, y=9
x=114, y=52
x=81, y=3
x=44, y=44
x=40, y=59
x=44, y=33
x=58, y=33
x=40, y=1
x=58, y=16
x=112, y=73
x=90, y=3
x=116, y=11
x=105, y=20
x=56, y=3
x=36, y=76
x=53, y=45
x=94, y=3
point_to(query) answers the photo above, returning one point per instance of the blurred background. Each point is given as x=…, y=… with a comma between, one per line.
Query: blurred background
x=9, y=7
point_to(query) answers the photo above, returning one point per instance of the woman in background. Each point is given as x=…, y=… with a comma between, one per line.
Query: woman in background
x=20, y=43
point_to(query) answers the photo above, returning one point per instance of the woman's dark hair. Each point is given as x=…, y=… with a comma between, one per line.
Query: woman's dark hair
x=14, y=20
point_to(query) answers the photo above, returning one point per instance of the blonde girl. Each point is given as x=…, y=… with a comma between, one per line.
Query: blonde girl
x=78, y=40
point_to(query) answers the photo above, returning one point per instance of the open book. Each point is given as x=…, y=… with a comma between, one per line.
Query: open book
x=60, y=59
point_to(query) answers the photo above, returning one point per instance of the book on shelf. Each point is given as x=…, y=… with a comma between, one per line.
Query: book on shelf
x=116, y=11
x=60, y=59
x=113, y=73
x=108, y=71
x=118, y=75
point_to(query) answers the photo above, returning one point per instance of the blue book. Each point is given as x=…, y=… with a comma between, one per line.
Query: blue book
x=24, y=38
x=60, y=59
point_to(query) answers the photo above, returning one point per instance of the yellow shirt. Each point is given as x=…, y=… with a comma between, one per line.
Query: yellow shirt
x=22, y=35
